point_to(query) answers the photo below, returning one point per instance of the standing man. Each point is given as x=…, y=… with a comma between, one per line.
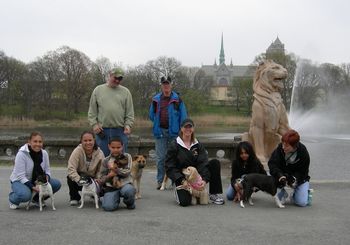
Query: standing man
x=167, y=111
x=111, y=111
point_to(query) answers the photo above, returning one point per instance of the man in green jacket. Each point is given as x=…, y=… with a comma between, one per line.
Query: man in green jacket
x=111, y=111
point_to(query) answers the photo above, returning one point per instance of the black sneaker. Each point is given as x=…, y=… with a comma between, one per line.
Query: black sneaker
x=159, y=185
x=131, y=206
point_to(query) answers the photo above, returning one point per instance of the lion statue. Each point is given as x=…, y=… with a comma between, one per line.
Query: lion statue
x=269, y=117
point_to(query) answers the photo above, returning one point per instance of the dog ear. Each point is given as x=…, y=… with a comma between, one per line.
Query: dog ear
x=145, y=156
x=134, y=158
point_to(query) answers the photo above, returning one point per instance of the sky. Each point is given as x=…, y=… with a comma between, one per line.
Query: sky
x=132, y=32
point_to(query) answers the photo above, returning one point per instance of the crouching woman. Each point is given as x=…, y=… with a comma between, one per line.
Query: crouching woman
x=86, y=160
x=187, y=151
x=30, y=162
x=289, y=163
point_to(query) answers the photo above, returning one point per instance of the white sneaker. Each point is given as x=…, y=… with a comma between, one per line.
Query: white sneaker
x=13, y=206
x=217, y=199
x=73, y=202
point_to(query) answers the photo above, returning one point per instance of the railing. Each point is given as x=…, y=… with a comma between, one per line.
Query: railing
x=60, y=149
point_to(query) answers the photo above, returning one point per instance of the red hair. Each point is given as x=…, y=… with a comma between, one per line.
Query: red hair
x=291, y=137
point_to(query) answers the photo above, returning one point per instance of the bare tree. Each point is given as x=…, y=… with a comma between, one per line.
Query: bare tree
x=163, y=66
x=76, y=82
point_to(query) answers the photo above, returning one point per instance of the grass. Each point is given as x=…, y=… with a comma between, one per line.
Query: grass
x=208, y=120
x=214, y=116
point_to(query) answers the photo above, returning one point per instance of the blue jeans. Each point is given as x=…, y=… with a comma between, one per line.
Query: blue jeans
x=21, y=193
x=109, y=134
x=299, y=196
x=111, y=200
x=161, y=150
x=230, y=193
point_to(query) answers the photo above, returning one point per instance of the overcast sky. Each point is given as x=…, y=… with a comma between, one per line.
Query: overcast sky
x=135, y=31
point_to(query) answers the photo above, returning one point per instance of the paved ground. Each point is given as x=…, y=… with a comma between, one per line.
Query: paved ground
x=158, y=220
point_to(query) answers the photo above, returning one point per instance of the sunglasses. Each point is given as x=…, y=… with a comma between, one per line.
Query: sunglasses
x=188, y=126
x=118, y=78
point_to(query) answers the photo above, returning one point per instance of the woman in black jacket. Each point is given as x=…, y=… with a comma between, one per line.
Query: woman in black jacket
x=246, y=162
x=290, y=162
x=186, y=151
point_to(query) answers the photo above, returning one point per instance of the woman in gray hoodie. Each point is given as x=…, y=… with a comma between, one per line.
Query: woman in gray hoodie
x=30, y=162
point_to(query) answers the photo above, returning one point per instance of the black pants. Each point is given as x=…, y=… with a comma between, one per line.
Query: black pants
x=74, y=189
x=215, y=186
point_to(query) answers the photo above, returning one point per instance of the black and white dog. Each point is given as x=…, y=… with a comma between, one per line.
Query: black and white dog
x=45, y=190
x=90, y=188
x=262, y=182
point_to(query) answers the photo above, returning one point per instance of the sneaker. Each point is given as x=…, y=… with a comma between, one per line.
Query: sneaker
x=309, y=196
x=73, y=202
x=216, y=199
x=159, y=185
x=13, y=206
x=36, y=204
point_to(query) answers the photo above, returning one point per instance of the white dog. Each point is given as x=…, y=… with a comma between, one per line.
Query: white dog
x=45, y=190
x=89, y=189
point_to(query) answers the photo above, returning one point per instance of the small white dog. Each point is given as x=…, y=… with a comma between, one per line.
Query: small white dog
x=45, y=190
x=89, y=189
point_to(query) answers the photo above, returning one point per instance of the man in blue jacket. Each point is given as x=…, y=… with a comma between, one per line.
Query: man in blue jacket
x=167, y=111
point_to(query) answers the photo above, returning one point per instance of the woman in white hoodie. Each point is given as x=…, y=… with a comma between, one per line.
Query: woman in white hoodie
x=30, y=162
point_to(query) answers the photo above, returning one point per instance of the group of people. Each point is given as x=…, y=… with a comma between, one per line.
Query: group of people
x=111, y=116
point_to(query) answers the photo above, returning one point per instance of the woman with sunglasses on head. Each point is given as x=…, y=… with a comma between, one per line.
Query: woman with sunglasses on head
x=30, y=162
x=187, y=151
x=111, y=111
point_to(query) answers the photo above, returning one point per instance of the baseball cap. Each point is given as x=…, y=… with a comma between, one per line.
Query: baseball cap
x=165, y=80
x=117, y=72
x=187, y=121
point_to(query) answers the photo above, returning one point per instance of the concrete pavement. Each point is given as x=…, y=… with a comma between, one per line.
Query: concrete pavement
x=157, y=219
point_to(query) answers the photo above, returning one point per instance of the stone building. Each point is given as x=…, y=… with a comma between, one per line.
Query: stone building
x=222, y=75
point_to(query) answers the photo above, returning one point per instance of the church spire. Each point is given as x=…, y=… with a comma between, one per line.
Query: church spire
x=222, y=53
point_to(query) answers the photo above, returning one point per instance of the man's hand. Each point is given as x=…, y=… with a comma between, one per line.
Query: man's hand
x=97, y=128
x=127, y=130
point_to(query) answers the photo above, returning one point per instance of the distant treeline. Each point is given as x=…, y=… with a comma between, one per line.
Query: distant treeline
x=58, y=85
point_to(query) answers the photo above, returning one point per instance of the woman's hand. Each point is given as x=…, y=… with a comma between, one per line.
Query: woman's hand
x=35, y=189
x=238, y=195
x=202, y=185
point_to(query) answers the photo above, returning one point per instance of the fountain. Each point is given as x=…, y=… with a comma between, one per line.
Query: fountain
x=320, y=113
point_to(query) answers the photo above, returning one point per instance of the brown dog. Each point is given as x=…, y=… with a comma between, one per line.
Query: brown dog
x=138, y=163
x=196, y=186
x=120, y=162
x=164, y=183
